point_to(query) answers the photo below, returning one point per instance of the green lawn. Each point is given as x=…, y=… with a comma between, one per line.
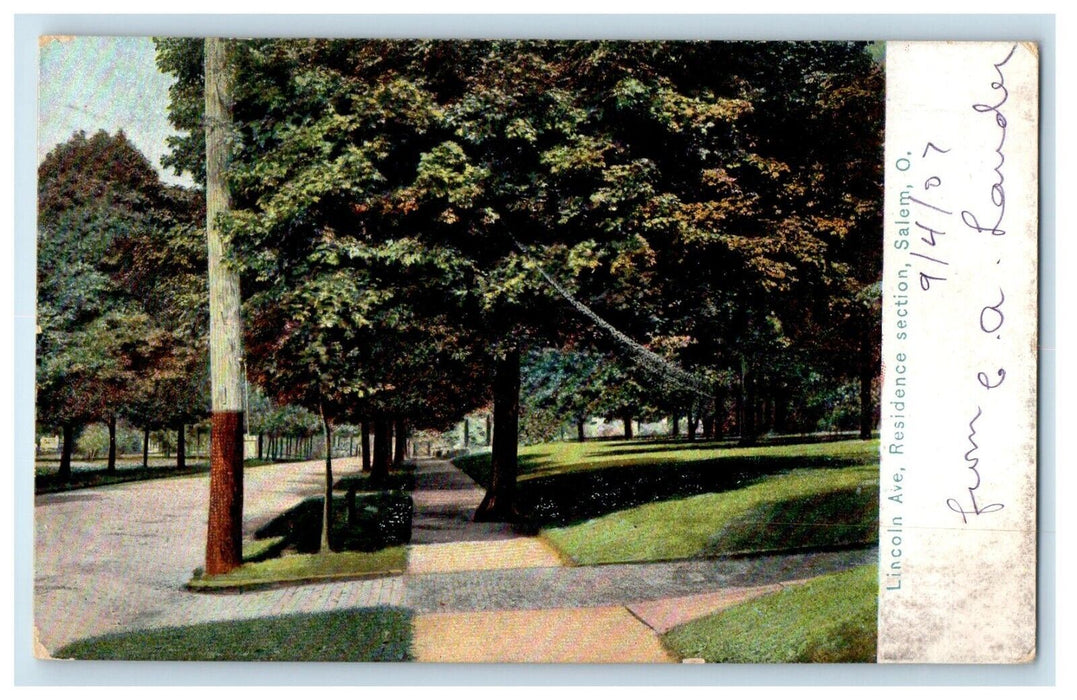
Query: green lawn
x=295, y=568
x=829, y=620
x=618, y=501
x=555, y=458
x=370, y=634
x=47, y=481
x=807, y=508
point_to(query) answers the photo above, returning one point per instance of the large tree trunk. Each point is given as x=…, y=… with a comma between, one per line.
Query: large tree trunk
x=489, y=430
x=499, y=503
x=260, y=437
x=626, y=418
x=781, y=411
x=675, y=426
x=181, y=447
x=145, y=448
x=748, y=412
x=467, y=433
x=719, y=414
x=738, y=407
x=111, y=465
x=224, y=548
x=581, y=424
x=327, y=505
x=692, y=422
x=383, y=452
x=866, y=376
x=400, y=441
x=364, y=444
x=66, y=449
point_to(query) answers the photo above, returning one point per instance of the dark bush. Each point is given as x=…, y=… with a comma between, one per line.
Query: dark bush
x=380, y=519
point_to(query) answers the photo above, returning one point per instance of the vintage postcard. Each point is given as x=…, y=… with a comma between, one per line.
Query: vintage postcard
x=540, y=351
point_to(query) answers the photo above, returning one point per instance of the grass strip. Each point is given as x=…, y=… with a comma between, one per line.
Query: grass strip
x=367, y=634
x=560, y=458
x=807, y=508
x=47, y=481
x=51, y=483
x=296, y=568
x=831, y=619
x=260, y=550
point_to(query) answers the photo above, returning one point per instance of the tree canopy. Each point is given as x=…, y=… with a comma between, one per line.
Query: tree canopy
x=410, y=216
x=117, y=317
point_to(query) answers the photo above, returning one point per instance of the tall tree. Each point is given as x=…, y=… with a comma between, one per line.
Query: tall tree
x=92, y=192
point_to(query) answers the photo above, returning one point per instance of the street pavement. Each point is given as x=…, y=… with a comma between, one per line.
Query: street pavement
x=117, y=558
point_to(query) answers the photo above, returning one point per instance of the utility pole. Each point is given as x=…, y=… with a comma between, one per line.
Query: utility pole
x=224, y=548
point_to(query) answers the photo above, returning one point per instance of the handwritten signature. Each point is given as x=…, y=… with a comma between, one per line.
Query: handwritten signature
x=974, y=467
x=998, y=193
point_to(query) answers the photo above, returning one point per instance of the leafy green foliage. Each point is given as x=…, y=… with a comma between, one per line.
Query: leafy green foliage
x=116, y=268
x=394, y=201
x=381, y=519
x=93, y=442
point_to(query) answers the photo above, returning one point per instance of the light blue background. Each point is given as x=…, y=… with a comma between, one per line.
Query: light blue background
x=29, y=671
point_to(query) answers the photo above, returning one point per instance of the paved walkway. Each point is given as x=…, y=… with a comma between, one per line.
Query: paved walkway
x=445, y=538
x=562, y=635
x=484, y=594
x=117, y=558
x=616, y=584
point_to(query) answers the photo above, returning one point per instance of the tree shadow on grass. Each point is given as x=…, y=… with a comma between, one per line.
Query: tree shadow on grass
x=842, y=518
x=654, y=446
x=369, y=634
x=398, y=480
x=565, y=498
x=378, y=520
x=95, y=478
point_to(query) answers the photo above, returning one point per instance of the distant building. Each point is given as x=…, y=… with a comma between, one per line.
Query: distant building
x=48, y=443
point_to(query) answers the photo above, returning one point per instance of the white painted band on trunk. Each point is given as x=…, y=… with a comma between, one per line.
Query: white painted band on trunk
x=225, y=321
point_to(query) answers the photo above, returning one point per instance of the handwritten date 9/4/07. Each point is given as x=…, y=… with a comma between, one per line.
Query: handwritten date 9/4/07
x=932, y=212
